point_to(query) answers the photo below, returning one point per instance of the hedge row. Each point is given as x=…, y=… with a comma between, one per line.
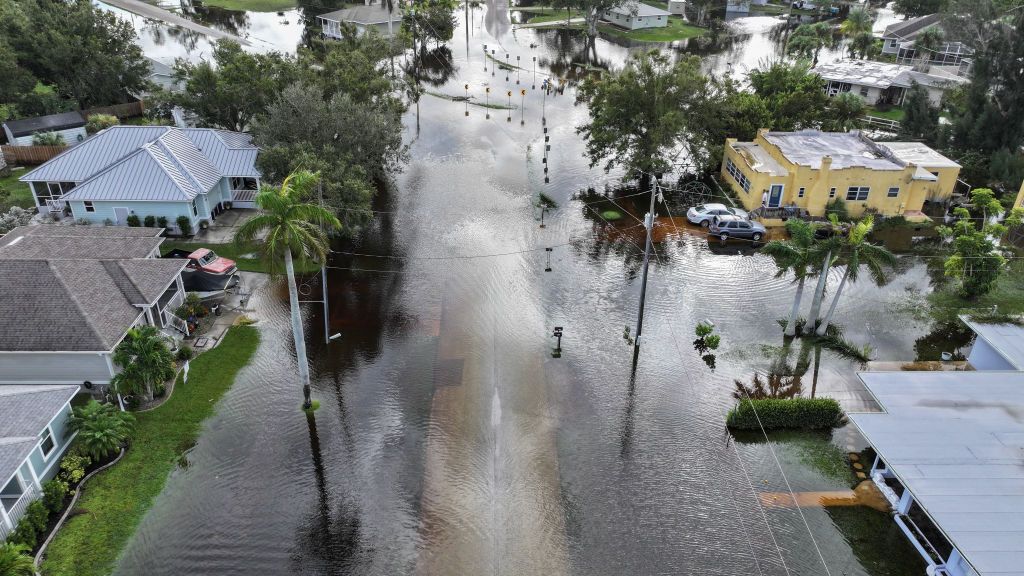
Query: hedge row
x=776, y=413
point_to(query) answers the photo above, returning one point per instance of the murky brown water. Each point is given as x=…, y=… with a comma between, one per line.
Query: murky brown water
x=449, y=441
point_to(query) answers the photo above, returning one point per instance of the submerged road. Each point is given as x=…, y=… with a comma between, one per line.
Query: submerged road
x=157, y=13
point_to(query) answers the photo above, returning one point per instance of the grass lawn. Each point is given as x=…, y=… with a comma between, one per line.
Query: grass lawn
x=677, y=29
x=553, y=17
x=235, y=252
x=893, y=113
x=1008, y=295
x=113, y=502
x=254, y=5
x=21, y=195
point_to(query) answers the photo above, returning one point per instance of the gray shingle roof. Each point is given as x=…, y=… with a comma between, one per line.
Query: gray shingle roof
x=76, y=305
x=140, y=163
x=14, y=247
x=62, y=121
x=635, y=9
x=912, y=27
x=24, y=412
x=77, y=231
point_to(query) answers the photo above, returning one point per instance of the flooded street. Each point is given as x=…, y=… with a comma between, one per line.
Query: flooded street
x=450, y=441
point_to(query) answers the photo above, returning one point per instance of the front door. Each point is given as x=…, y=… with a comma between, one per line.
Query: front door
x=121, y=216
x=775, y=197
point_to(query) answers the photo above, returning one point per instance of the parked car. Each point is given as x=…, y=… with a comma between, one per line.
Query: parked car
x=730, y=226
x=703, y=213
x=205, y=260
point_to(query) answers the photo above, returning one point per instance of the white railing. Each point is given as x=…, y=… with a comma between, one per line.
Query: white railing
x=175, y=301
x=18, y=510
x=3, y=531
x=55, y=205
x=243, y=195
x=174, y=322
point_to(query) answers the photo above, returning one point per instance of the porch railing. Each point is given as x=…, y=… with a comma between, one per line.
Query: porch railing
x=244, y=195
x=18, y=510
x=876, y=123
x=56, y=206
x=782, y=212
x=174, y=322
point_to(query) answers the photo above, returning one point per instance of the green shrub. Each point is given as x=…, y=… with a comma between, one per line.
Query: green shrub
x=54, y=493
x=149, y=221
x=102, y=428
x=838, y=207
x=134, y=221
x=97, y=122
x=73, y=465
x=161, y=221
x=184, y=224
x=703, y=329
x=185, y=353
x=32, y=525
x=47, y=139
x=776, y=413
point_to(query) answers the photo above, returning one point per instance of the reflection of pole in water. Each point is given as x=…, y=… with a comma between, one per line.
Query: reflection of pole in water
x=485, y=57
x=627, y=427
x=518, y=69
x=509, y=119
x=534, y=73
x=522, y=107
x=487, y=105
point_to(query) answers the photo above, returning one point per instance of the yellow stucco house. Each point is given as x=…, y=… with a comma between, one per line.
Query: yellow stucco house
x=809, y=168
x=1019, y=202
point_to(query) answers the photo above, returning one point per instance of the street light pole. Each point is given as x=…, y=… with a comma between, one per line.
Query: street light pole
x=649, y=224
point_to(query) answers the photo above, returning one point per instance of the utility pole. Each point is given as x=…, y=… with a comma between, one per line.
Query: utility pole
x=649, y=224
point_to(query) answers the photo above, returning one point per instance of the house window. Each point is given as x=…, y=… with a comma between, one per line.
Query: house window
x=800, y=193
x=66, y=187
x=47, y=445
x=831, y=192
x=857, y=193
x=88, y=206
x=893, y=192
x=864, y=91
x=738, y=176
x=53, y=188
x=195, y=209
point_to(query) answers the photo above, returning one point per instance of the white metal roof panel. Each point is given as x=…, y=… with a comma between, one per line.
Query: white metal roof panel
x=956, y=441
x=1006, y=339
x=189, y=160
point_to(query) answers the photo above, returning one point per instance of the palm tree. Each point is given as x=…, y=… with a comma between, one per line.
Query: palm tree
x=856, y=251
x=808, y=40
x=797, y=255
x=102, y=428
x=858, y=26
x=15, y=561
x=145, y=361
x=925, y=44
x=293, y=228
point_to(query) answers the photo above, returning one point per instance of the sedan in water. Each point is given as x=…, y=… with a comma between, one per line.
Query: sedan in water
x=702, y=214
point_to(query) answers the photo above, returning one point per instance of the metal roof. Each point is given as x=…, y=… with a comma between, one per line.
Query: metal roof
x=955, y=440
x=24, y=412
x=76, y=305
x=861, y=72
x=363, y=14
x=29, y=126
x=233, y=153
x=1006, y=339
x=634, y=9
x=150, y=163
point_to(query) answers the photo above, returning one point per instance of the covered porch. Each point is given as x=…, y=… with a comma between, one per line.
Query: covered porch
x=15, y=497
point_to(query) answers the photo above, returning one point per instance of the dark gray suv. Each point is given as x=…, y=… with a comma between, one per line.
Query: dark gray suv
x=726, y=227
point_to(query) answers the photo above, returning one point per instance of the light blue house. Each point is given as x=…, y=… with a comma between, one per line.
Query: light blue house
x=157, y=171
x=33, y=436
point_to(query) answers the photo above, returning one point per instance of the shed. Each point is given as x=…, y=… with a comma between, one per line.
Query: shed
x=677, y=7
x=637, y=15
x=70, y=125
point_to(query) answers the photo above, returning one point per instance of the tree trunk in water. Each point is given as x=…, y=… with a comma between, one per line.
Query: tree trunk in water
x=791, y=325
x=819, y=293
x=832, y=307
x=645, y=181
x=300, y=339
x=592, y=17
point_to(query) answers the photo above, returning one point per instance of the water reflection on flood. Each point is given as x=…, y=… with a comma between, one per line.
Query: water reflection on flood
x=450, y=441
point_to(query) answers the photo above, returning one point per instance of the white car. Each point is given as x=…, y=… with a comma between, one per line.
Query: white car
x=703, y=213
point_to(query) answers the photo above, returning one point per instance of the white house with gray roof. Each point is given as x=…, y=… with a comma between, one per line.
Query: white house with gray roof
x=62, y=315
x=157, y=171
x=881, y=82
x=363, y=18
x=636, y=15
x=33, y=437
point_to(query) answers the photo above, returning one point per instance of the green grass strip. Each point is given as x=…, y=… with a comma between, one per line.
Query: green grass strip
x=114, y=502
x=242, y=255
x=253, y=5
x=20, y=193
x=677, y=29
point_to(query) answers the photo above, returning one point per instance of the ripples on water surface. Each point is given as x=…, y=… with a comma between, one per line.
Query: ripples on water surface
x=450, y=442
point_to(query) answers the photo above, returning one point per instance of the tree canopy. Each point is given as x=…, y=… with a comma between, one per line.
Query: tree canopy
x=914, y=8
x=86, y=54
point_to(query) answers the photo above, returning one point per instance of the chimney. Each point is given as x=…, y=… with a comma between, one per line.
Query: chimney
x=826, y=163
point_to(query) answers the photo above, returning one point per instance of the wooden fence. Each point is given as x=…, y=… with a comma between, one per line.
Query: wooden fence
x=32, y=155
x=129, y=110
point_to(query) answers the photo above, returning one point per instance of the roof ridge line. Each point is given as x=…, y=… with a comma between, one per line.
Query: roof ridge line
x=149, y=148
x=181, y=165
x=81, y=146
x=71, y=295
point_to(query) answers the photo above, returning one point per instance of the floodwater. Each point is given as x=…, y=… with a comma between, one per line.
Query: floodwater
x=450, y=441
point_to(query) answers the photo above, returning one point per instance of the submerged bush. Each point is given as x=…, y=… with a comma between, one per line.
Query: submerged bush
x=776, y=413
